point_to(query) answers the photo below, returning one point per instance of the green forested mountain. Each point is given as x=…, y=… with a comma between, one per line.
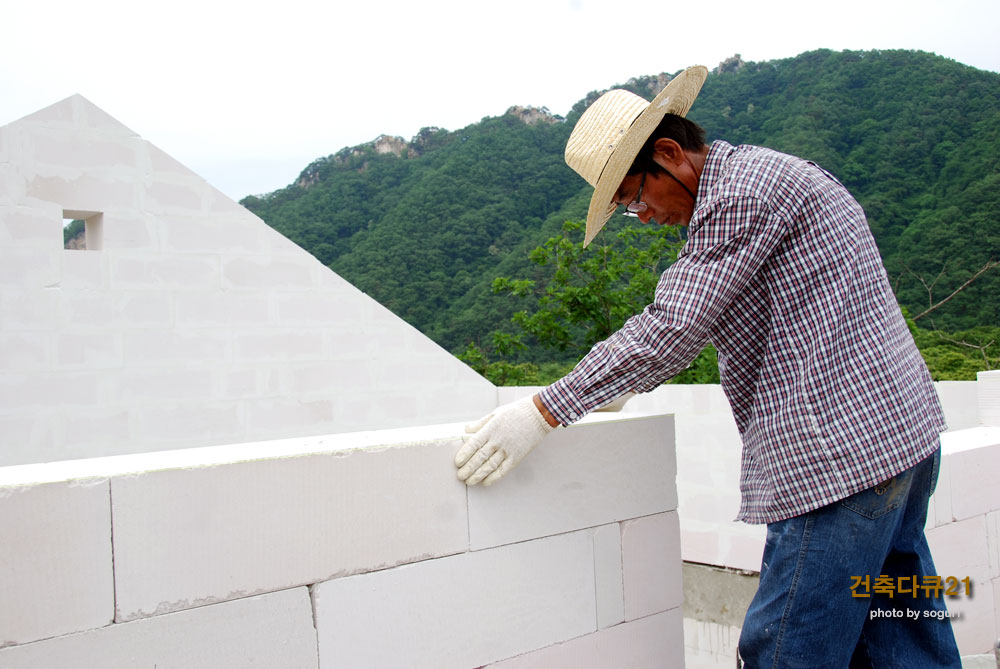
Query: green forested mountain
x=424, y=226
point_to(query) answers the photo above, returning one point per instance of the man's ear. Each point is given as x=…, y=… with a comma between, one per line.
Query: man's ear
x=667, y=152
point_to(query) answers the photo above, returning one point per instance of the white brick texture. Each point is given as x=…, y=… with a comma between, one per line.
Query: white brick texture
x=608, y=575
x=273, y=631
x=656, y=641
x=55, y=560
x=960, y=550
x=651, y=564
x=217, y=533
x=975, y=490
x=579, y=476
x=462, y=611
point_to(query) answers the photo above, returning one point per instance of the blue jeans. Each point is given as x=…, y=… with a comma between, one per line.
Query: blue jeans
x=808, y=610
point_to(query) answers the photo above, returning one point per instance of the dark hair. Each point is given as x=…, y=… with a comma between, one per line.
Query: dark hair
x=688, y=134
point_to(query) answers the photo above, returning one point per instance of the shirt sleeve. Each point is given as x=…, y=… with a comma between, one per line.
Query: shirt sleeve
x=729, y=241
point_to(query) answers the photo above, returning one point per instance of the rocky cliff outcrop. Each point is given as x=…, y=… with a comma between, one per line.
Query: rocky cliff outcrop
x=533, y=115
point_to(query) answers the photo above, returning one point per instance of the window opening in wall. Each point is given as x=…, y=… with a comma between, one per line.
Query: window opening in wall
x=82, y=230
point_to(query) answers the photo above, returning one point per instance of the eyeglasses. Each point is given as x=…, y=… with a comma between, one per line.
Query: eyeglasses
x=637, y=206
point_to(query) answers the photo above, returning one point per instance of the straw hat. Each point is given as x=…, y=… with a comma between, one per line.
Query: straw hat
x=608, y=136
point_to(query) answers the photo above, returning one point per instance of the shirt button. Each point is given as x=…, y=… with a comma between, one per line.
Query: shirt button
x=572, y=415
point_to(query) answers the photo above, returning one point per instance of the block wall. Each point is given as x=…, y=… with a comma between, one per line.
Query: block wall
x=963, y=530
x=187, y=321
x=360, y=550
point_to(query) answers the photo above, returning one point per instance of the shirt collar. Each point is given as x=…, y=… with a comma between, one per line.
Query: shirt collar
x=715, y=161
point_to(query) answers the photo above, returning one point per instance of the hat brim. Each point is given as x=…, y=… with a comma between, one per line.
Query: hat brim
x=676, y=98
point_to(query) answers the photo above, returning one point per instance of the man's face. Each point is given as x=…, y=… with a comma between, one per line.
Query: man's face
x=667, y=203
x=668, y=186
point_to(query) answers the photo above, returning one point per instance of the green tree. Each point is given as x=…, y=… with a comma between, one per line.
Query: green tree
x=588, y=294
x=958, y=356
x=591, y=292
x=502, y=371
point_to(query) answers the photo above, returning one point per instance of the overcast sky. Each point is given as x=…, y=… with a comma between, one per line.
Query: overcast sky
x=248, y=93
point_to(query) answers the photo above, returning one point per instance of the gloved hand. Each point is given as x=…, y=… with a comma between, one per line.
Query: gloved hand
x=499, y=442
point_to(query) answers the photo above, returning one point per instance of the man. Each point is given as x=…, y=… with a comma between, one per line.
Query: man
x=835, y=407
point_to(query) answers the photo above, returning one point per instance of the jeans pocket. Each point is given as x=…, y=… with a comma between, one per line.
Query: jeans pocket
x=879, y=499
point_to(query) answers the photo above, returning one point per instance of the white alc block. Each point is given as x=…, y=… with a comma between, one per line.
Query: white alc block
x=83, y=192
x=281, y=417
x=36, y=430
x=173, y=197
x=129, y=230
x=142, y=309
x=279, y=345
x=606, y=468
x=961, y=550
x=651, y=565
x=655, y=642
x=26, y=351
x=939, y=510
x=931, y=513
x=36, y=310
x=221, y=532
x=993, y=542
x=263, y=272
x=461, y=611
x=996, y=608
x=216, y=309
x=31, y=268
x=154, y=347
x=608, y=575
x=320, y=308
x=82, y=152
x=84, y=310
x=163, y=384
x=743, y=545
x=99, y=350
x=971, y=459
x=23, y=227
x=55, y=560
x=198, y=234
x=187, y=423
x=702, y=543
x=83, y=271
x=716, y=505
x=960, y=402
x=988, y=385
x=273, y=631
x=25, y=391
x=137, y=270
x=97, y=427
x=731, y=544
x=709, y=645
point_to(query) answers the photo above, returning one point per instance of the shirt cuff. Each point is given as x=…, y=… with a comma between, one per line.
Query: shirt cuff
x=562, y=402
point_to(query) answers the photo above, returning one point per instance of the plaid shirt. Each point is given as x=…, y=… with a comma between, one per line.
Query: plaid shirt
x=781, y=273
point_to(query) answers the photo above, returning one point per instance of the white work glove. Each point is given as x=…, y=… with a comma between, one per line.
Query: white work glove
x=499, y=441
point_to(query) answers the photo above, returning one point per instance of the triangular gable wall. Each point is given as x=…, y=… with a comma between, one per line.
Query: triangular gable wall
x=188, y=321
